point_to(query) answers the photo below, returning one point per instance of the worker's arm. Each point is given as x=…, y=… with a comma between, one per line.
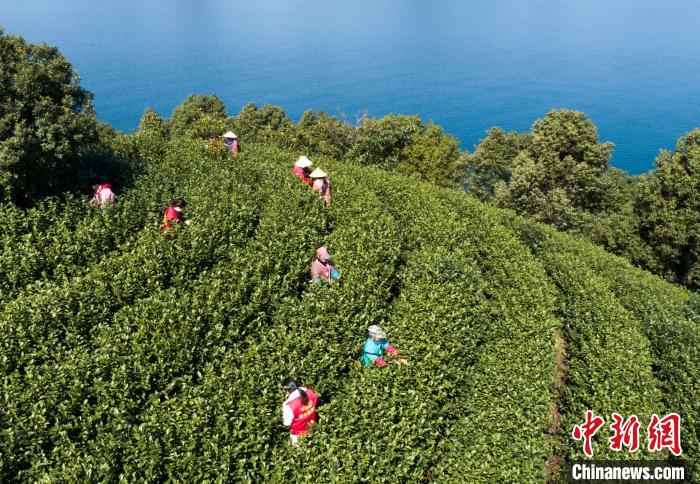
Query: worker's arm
x=392, y=351
x=287, y=415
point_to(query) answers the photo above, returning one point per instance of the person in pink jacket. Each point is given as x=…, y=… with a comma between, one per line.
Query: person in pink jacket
x=302, y=169
x=232, y=143
x=322, y=269
x=102, y=194
x=321, y=185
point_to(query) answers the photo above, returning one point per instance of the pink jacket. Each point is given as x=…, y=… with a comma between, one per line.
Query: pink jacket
x=104, y=195
x=323, y=187
x=318, y=269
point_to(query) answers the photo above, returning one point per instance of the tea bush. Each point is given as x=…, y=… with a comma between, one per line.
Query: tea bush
x=127, y=355
x=665, y=315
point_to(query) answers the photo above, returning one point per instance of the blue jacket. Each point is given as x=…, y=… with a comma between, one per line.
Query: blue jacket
x=373, y=350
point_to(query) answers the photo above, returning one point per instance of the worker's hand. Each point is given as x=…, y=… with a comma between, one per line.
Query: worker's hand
x=187, y=222
x=403, y=361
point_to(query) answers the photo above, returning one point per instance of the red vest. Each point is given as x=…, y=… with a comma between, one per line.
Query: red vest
x=301, y=174
x=170, y=215
x=303, y=414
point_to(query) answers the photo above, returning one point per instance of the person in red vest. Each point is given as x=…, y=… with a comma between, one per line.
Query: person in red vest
x=174, y=214
x=302, y=170
x=298, y=409
x=102, y=194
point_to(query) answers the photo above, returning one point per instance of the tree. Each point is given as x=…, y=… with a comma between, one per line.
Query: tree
x=320, y=133
x=554, y=173
x=195, y=107
x=45, y=119
x=403, y=144
x=151, y=136
x=492, y=161
x=435, y=157
x=669, y=209
x=267, y=125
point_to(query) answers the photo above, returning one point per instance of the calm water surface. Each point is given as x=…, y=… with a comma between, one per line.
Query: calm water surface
x=633, y=66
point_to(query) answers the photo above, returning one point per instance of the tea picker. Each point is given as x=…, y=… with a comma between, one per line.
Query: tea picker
x=174, y=214
x=231, y=142
x=321, y=185
x=102, y=194
x=298, y=409
x=376, y=347
x=302, y=169
x=322, y=269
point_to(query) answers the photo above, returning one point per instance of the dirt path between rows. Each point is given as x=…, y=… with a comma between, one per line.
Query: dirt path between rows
x=555, y=462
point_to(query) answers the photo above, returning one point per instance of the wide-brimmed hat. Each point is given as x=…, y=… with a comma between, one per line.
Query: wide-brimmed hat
x=322, y=253
x=376, y=332
x=303, y=162
x=318, y=173
x=230, y=134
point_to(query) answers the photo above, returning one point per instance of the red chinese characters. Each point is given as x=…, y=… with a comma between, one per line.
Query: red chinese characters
x=665, y=433
x=587, y=430
x=662, y=433
x=625, y=433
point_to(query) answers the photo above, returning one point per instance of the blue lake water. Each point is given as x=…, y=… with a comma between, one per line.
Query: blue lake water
x=633, y=66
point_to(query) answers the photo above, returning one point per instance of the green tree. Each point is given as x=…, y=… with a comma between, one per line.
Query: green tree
x=669, y=210
x=554, y=174
x=492, y=161
x=321, y=133
x=403, y=144
x=194, y=108
x=45, y=119
x=151, y=136
x=435, y=157
x=268, y=124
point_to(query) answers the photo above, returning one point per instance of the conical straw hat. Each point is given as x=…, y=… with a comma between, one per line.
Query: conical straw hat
x=318, y=173
x=303, y=162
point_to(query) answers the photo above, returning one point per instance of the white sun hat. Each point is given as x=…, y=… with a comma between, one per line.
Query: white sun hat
x=376, y=332
x=230, y=134
x=303, y=162
x=318, y=173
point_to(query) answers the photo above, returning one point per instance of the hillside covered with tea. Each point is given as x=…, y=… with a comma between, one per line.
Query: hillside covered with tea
x=127, y=354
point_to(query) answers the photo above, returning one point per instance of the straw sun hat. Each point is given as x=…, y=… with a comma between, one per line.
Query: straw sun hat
x=303, y=162
x=318, y=173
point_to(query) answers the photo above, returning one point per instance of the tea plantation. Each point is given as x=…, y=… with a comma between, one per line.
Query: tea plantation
x=126, y=355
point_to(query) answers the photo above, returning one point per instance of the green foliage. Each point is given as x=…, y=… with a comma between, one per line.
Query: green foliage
x=492, y=161
x=266, y=125
x=666, y=315
x=558, y=174
x=403, y=144
x=151, y=136
x=192, y=110
x=45, y=119
x=140, y=357
x=669, y=210
x=561, y=171
x=325, y=135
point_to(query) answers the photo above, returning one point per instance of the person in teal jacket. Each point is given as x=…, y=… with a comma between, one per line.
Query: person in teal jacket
x=376, y=347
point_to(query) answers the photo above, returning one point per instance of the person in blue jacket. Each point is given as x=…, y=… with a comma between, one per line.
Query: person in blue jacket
x=376, y=347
